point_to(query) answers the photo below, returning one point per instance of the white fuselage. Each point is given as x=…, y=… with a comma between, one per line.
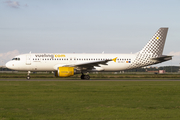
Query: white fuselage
x=51, y=61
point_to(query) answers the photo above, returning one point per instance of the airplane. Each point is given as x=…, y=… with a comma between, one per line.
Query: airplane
x=67, y=64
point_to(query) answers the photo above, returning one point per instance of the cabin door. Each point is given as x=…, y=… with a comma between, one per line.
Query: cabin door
x=28, y=59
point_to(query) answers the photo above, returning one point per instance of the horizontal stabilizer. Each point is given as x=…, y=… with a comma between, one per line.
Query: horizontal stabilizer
x=161, y=58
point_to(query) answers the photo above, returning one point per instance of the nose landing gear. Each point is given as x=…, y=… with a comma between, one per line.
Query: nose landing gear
x=28, y=75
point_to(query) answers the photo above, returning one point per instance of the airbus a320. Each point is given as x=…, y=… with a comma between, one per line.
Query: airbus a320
x=66, y=64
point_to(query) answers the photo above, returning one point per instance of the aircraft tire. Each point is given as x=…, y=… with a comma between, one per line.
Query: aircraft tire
x=28, y=77
x=87, y=77
x=82, y=77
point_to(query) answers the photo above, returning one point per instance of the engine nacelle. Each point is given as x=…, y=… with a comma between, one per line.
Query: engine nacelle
x=64, y=72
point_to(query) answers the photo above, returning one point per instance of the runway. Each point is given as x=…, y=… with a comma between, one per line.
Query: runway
x=49, y=79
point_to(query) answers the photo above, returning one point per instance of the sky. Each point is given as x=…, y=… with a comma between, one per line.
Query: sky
x=86, y=26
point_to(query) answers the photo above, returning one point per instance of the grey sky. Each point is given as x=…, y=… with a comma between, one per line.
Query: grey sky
x=86, y=26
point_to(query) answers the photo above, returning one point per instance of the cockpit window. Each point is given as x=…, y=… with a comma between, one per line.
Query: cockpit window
x=16, y=59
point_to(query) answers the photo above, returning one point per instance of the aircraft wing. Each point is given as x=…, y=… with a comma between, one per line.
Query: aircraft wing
x=162, y=58
x=90, y=65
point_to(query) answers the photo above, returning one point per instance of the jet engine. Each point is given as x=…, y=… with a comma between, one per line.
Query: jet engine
x=65, y=72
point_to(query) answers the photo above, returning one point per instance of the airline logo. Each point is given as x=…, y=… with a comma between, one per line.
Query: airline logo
x=44, y=55
x=50, y=55
x=59, y=55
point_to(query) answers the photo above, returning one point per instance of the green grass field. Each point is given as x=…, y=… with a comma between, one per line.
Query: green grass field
x=89, y=100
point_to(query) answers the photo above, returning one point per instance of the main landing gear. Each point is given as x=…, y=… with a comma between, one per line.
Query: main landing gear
x=85, y=77
x=28, y=75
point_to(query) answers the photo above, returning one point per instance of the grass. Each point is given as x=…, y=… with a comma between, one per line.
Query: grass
x=89, y=100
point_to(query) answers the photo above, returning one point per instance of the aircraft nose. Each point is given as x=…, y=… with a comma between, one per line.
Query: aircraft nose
x=8, y=64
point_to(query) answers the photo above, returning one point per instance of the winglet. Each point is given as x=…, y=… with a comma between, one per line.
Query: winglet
x=114, y=59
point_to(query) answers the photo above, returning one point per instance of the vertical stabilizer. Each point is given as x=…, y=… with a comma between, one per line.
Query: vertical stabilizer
x=152, y=50
x=156, y=45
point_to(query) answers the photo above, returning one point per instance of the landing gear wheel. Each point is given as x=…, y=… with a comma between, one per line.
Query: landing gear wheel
x=85, y=77
x=82, y=77
x=28, y=77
